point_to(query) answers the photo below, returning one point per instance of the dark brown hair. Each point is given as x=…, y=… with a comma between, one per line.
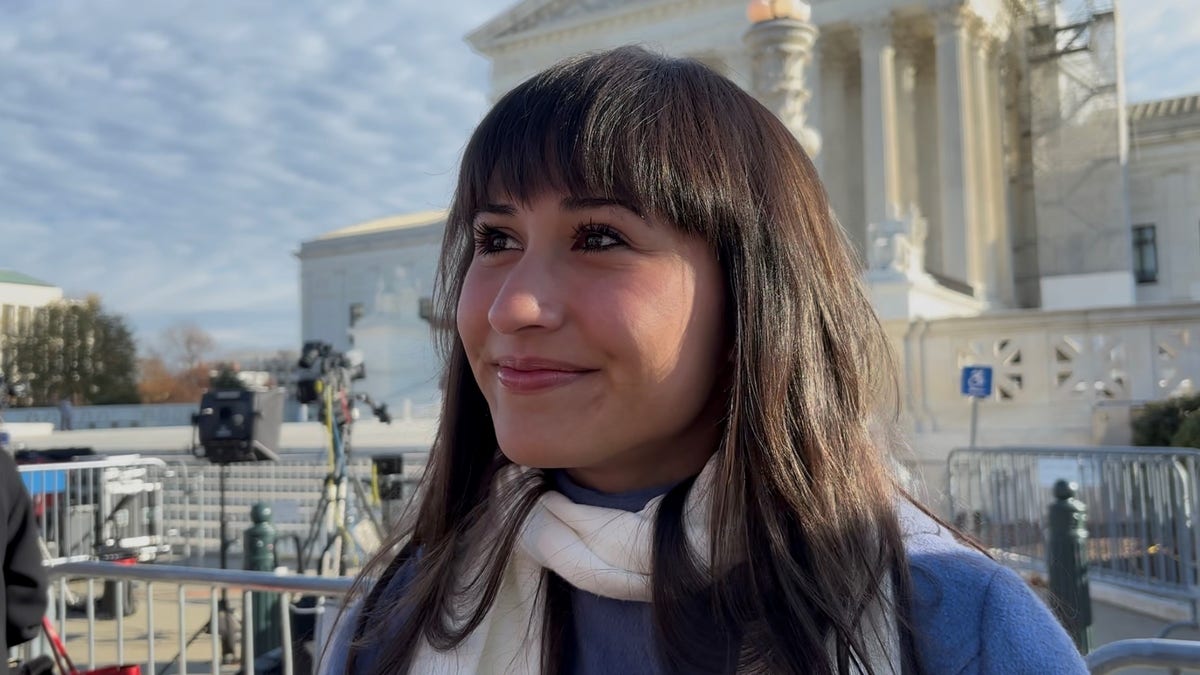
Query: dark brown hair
x=803, y=497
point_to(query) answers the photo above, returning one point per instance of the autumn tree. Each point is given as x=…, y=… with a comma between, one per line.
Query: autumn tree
x=187, y=345
x=73, y=349
x=157, y=383
x=177, y=371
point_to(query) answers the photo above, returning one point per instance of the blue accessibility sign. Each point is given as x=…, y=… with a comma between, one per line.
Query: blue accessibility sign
x=977, y=381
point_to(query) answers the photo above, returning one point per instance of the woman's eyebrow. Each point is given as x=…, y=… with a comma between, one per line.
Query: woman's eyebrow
x=494, y=209
x=581, y=203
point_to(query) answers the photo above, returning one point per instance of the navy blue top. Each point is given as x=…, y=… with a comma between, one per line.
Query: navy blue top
x=610, y=636
x=970, y=614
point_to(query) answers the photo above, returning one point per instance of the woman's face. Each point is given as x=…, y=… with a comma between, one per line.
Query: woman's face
x=596, y=337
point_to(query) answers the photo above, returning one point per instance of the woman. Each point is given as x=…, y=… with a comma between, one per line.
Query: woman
x=658, y=450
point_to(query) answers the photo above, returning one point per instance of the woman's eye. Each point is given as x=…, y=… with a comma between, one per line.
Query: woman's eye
x=597, y=238
x=489, y=240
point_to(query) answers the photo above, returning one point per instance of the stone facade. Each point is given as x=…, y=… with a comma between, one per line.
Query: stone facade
x=1010, y=208
x=360, y=288
x=20, y=298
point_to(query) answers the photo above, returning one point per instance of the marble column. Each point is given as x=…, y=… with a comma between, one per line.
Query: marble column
x=834, y=166
x=816, y=101
x=982, y=261
x=780, y=50
x=880, y=152
x=952, y=47
x=1003, y=283
x=908, y=174
x=927, y=158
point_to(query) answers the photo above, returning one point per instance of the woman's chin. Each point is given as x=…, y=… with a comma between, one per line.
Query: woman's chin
x=537, y=456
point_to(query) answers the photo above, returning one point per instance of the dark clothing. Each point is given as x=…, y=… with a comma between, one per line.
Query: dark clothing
x=23, y=578
x=970, y=615
x=610, y=636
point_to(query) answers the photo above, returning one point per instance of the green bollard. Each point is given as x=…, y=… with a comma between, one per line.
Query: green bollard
x=259, y=555
x=1067, y=560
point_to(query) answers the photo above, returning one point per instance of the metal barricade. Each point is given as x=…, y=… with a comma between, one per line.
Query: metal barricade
x=1142, y=508
x=1154, y=653
x=293, y=489
x=188, y=598
x=100, y=507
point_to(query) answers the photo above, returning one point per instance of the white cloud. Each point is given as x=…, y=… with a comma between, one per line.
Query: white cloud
x=1162, y=48
x=172, y=155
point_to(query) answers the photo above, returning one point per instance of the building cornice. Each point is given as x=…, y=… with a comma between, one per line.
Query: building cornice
x=431, y=233
x=1165, y=120
x=1075, y=320
x=502, y=36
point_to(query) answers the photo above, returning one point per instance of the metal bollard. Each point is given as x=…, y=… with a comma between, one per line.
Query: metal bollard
x=259, y=555
x=1067, y=561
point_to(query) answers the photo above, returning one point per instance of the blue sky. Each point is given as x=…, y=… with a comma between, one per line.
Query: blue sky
x=171, y=155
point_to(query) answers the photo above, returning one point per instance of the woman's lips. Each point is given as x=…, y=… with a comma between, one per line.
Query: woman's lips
x=531, y=378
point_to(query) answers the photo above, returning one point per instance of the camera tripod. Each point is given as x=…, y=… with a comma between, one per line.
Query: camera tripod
x=229, y=626
x=340, y=496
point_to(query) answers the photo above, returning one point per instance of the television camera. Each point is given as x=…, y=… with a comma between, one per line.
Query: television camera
x=321, y=368
x=324, y=376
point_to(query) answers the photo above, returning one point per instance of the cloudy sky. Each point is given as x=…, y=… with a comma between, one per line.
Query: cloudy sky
x=171, y=155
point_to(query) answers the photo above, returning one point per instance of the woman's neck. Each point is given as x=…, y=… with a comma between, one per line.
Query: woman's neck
x=654, y=471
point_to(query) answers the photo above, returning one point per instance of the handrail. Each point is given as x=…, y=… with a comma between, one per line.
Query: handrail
x=1142, y=509
x=1149, y=652
x=254, y=581
x=121, y=462
x=1046, y=451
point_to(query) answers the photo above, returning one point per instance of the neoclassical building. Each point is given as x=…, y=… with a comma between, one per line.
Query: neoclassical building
x=20, y=298
x=1010, y=207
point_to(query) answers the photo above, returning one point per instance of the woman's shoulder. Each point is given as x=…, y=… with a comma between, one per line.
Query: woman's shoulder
x=387, y=591
x=972, y=615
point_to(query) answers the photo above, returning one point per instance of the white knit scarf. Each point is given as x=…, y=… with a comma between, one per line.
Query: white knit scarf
x=606, y=552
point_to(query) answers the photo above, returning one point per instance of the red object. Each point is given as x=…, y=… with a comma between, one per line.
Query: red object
x=68, y=667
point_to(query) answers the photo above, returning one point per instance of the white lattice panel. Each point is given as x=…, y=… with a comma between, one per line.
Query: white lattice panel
x=1176, y=359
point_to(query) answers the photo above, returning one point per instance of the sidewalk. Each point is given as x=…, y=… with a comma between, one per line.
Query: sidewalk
x=165, y=627
x=1112, y=623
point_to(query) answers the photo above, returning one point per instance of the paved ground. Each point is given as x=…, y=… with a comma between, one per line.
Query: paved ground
x=170, y=627
x=1114, y=623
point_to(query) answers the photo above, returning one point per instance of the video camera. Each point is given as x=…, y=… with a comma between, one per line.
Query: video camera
x=320, y=362
x=322, y=368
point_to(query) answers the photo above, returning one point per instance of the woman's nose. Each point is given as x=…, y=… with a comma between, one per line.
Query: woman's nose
x=529, y=297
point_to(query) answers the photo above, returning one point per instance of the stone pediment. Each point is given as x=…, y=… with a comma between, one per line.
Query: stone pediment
x=533, y=15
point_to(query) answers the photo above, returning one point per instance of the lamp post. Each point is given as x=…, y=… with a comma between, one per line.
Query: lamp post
x=780, y=39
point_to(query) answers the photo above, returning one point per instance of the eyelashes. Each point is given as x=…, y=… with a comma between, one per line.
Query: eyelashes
x=488, y=239
x=588, y=237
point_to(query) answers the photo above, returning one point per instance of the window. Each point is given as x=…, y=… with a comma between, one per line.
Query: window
x=1145, y=254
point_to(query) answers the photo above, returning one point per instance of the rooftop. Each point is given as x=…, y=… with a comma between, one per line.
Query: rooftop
x=12, y=277
x=1168, y=107
x=404, y=222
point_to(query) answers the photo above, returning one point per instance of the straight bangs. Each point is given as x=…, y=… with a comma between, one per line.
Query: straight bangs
x=619, y=125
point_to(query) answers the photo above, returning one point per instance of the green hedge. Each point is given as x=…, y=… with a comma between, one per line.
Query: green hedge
x=1171, y=422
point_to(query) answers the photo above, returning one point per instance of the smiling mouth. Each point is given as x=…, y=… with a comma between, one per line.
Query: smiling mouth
x=523, y=377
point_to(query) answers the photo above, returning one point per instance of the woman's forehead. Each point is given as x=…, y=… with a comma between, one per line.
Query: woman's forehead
x=507, y=191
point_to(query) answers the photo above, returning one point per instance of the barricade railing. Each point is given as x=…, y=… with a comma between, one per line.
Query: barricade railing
x=1145, y=653
x=1142, y=505
x=293, y=488
x=99, y=507
x=107, y=631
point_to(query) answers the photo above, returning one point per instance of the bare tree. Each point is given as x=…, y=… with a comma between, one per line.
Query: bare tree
x=187, y=345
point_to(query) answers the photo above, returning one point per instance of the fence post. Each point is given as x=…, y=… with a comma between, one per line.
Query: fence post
x=1067, y=561
x=259, y=555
